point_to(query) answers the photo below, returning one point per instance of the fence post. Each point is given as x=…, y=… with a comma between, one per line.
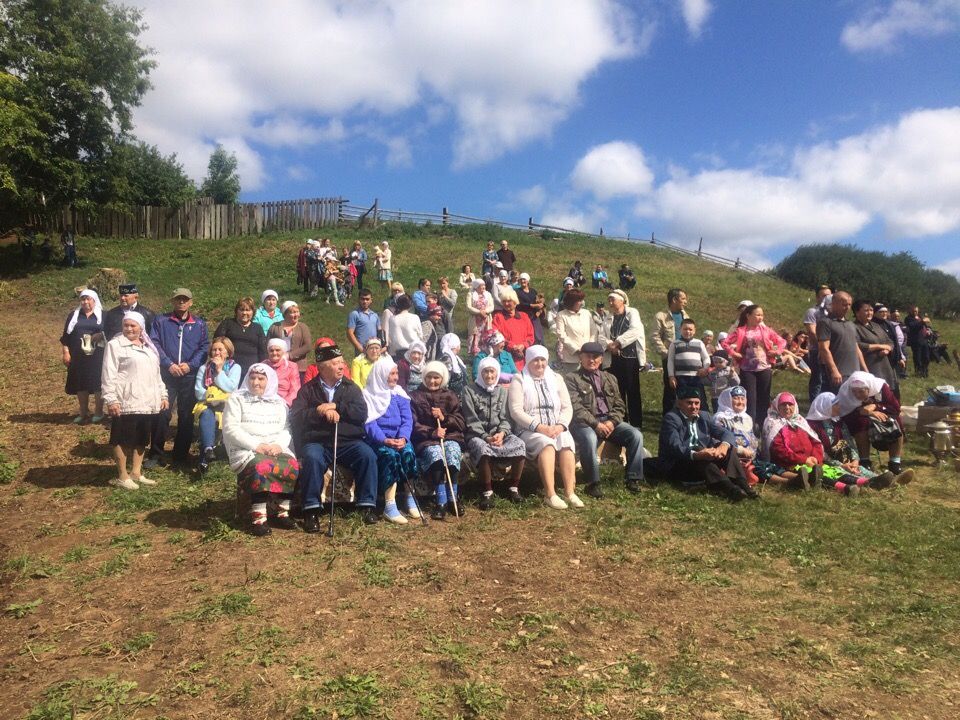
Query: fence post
x=446, y=216
x=530, y=224
x=601, y=231
x=700, y=248
x=736, y=265
x=653, y=239
x=376, y=211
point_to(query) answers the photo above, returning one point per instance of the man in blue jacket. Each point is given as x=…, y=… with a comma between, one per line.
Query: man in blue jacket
x=182, y=343
x=696, y=451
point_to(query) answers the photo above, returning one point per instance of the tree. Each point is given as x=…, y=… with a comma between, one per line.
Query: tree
x=135, y=173
x=78, y=72
x=222, y=182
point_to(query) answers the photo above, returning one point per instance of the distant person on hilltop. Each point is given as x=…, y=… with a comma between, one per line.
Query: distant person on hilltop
x=505, y=256
x=384, y=264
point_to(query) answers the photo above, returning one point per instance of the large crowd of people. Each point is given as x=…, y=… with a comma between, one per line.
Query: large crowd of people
x=407, y=409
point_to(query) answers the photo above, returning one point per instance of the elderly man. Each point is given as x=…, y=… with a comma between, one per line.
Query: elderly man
x=695, y=450
x=626, y=344
x=505, y=256
x=837, y=346
x=598, y=412
x=668, y=330
x=328, y=412
x=129, y=301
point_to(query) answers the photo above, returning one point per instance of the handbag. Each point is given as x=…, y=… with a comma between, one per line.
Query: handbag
x=883, y=433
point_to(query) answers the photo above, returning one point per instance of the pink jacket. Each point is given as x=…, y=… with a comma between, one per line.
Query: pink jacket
x=733, y=344
x=288, y=376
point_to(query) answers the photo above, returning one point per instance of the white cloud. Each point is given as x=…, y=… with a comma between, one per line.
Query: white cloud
x=532, y=198
x=399, y=154
x=566, y=216
x=695, y=14
x=950, y=266
x=614, y=169
x=292, y=72
x=249, y=163
x=881, y=27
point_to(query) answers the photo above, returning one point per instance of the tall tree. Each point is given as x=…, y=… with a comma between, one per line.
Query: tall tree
x=78, y=72
x=222, y=182
x=135, y=173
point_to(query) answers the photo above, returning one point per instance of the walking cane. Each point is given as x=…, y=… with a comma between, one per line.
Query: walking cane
x=333, y=476
x=446, y=468
x=412, y=490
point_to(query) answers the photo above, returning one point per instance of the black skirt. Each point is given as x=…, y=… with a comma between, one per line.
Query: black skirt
x=132, y=430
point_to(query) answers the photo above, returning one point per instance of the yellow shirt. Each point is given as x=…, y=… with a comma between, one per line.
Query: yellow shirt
x=359, y=369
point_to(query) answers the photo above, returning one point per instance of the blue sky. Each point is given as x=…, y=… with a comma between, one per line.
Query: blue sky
x=758, y=126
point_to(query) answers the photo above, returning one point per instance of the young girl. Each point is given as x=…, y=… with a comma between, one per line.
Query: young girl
x=389, y=427
x=450, y=356
x=438, y=434
x=410, y=366
x=489, y=439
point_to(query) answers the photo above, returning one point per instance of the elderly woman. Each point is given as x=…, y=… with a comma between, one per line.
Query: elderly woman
x=489, y=437
x=383, y=261
x=405, y=328
x=751, y=346
x=449, y=355
x=410, y=366
x=296, y=334
x=541, y=412
x=623, y=335
x=866, y=403
x=216, y=379
x=480, y=308
x=494, y=346
x=257, y=437
x=574, y=326
x=362, y=364
x=389, y=427
x=875, y=344
x=268, y=313
x=514, y=326
x=438, y=435
x=83, y=342
x=288, y=375
x=133, y=393
x=248, y=338
x=791, y=443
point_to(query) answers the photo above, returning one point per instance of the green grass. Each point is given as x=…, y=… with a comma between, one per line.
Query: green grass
x=227, y=605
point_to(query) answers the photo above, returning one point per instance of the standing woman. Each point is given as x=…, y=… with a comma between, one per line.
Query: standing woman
x=384, y=264
x=358, y=256
x=296, y=334
x=626, y=342
x=480, y=307
x=268, y=313
x=83, y=344
x=751, y=345
x=875, y=344
x=574, y=326
x=447, y=298
x=530, y=306
x=133, y=393
x=917, y=340
x=248, y=338
x=541, y=412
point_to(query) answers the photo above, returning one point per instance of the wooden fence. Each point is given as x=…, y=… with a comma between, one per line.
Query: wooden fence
x=205, y=221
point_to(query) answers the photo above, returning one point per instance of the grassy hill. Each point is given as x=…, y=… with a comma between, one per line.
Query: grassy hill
x=661, y=605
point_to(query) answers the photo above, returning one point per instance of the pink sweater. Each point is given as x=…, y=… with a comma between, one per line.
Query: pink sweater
x=288, y=375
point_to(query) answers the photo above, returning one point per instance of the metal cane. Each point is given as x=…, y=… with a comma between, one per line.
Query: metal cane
x=333, y=476
x=446, y=468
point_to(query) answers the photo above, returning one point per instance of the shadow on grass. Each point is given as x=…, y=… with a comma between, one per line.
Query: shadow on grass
x=42, y=418
x=196, y=517
x=61, y=476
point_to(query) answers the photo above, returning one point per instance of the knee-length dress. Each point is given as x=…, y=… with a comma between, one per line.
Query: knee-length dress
x=83, y=373
x=548, y=409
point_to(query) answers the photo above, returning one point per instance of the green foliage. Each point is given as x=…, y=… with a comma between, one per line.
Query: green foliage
x=8, y=468
x=107, y=697
x=222, y=182
x=898, y=280
x=79, y=74
x=139, y=643
x=481, y=699
x=21, y=610
x=135, y=173
x=346, y=696
x=229, y=604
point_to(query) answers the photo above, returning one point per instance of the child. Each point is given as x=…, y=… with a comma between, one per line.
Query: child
x=489, y=439
x=721, y=376
x=362, y=364
x=687, y=360
x=438, y=435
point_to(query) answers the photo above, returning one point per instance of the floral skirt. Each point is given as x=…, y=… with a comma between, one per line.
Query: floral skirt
x=395, y=466
x=269, y=474
x=432, y=454
x=512, y=447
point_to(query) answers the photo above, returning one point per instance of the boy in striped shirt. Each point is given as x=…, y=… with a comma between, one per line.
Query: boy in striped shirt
x=688, y=360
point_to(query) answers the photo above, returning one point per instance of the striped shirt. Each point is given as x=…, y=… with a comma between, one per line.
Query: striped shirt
x=686, y=357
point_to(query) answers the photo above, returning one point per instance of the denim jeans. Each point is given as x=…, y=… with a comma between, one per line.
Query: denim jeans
x=207, y=423
x=356, y=456
x=624, y=435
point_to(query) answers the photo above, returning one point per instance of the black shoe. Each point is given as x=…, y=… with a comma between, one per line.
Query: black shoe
x=751, y=493
x=260, y=530
x=803, y=479
x=153, y=460
x=370, y=516
x=736, y=495
x=439, y=512
x=895, y=467
x=633, y=486
x=594, y=491
x=486, y=502
x=311, y=521
x=456, y=509
x=284, y=523
x=514, y=496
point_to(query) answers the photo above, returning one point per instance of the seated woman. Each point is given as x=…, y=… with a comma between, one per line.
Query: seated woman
x=296, y=334
x=450, y=357
x=133, y=394
x=467, y=277
x=438, y=435
x=838, y=444
x=494, y=346
x=732, y=415
x=791, y=443
x=362, y=364
x=541, y=412
x=627, y=279
x=216, y=379
x=248, y=338
x=864, y=398
x=515, y=326
x=288, y=374
x=389, y=427
x=312, y=369
x=257, y=438
x=489, y=437
x=410, y=366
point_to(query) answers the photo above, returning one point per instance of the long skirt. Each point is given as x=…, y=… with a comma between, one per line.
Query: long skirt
x=433, y=454
x=266, y=473
x=395, y=466
x=512, y=447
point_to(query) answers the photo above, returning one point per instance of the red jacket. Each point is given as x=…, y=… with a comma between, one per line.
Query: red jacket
x=792, y=446
x=516, y=330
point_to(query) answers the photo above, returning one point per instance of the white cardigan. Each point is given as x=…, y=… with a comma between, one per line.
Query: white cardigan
x=249, y=421
x=131, y=377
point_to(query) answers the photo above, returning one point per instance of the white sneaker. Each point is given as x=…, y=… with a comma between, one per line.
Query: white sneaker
x=556, y=503
x=339, y=304
x=144, y=480
x=574, y=501
x=414, y=513
x=127, y=484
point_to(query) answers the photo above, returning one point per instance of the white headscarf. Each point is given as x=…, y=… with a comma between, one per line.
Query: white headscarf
x=270, y=394
x=440, y=369
x=775, y=422
x=144, y=337
x=377, y=392
x=740, y=424
x=97, y=310
x=416, y=345
x=822, y=407
x=488, y=362
x=529, y=382
x=283, y=345
x=267, y=293
x=860, y=379
x=447, y=344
